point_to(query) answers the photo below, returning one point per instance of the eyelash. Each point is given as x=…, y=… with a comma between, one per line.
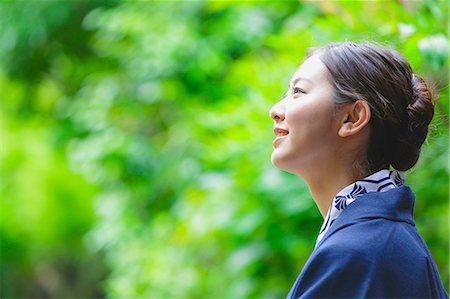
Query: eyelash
x=297, y=90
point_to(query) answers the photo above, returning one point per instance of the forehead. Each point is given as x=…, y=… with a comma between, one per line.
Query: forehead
x=312, y=69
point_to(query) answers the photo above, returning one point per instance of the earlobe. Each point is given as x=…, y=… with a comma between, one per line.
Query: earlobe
x=345, y=130
x=356, y=118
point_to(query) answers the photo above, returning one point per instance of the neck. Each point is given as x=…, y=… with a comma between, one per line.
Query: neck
x=325, y=186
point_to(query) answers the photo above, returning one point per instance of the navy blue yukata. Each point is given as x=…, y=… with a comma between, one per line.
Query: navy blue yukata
x=372, y=250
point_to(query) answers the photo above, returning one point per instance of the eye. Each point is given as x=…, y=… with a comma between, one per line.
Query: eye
x=298, y=90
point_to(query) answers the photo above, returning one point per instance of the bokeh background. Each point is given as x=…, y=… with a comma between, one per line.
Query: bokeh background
x=136, y=142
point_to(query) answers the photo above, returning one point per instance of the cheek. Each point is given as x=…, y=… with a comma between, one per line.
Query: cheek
x=306, y=115
x=311, y=121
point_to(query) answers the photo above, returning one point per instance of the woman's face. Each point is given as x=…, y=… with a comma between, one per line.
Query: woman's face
x=305, y=122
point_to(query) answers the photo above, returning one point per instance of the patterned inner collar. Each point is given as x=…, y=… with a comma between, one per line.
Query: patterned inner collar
x=380, y=181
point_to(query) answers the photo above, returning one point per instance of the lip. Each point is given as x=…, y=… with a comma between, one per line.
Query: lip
x=280, y=131
x=278, y=140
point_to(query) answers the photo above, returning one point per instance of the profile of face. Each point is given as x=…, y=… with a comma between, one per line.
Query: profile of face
x=305, y=120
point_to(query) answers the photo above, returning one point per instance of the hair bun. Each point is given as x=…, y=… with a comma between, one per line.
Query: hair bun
x=420, y=112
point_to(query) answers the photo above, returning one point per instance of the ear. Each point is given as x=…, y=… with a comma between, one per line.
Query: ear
x=355, y=118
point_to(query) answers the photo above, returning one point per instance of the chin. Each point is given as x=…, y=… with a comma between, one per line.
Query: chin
x=274, y=160
x=279, y=161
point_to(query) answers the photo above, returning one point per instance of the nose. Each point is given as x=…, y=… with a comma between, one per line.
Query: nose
x=277, y=112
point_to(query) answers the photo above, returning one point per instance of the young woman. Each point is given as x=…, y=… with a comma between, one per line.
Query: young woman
x=353, y=111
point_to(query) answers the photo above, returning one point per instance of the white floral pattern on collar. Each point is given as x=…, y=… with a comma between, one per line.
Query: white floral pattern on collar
x=380, y=181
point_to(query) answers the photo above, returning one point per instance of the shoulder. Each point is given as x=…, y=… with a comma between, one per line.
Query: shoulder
x=334, y=272
x=377, y=240
x=370, y=258
x=372, y=250
x=361, y=268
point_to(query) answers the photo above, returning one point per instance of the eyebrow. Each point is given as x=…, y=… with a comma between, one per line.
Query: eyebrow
x=300, y=79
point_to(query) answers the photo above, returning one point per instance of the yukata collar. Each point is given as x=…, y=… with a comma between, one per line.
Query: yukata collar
x=379, y=181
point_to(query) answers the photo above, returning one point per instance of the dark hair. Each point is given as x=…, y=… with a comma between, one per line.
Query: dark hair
x=401, y=103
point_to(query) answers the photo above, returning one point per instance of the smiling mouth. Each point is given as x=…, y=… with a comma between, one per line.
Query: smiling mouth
x=281, y=134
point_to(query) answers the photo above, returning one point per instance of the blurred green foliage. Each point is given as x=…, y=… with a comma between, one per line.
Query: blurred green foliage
x=136, y=142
